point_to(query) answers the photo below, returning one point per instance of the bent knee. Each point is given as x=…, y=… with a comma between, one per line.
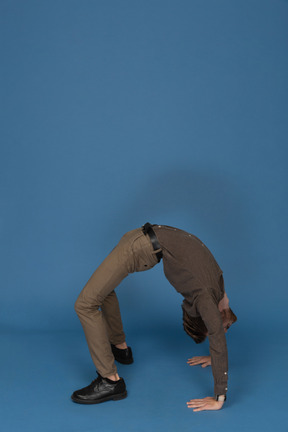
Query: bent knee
x=82, y=306
x=77, y=305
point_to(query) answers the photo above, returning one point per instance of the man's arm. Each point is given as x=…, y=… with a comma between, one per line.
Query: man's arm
x=211, y=316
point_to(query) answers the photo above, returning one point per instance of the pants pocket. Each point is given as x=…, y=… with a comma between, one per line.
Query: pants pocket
x=144, y=256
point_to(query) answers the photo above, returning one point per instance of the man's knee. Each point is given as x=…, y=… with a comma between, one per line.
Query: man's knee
x=81, y=306
x=78, y=306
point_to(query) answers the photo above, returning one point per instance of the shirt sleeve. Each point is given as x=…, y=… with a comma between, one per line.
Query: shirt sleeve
x=208, y=309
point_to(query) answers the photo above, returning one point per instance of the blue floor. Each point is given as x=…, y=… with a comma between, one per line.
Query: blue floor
x=39, y=371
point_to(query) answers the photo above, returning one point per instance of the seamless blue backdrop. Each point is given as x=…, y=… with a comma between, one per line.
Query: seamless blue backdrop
x=117, y=113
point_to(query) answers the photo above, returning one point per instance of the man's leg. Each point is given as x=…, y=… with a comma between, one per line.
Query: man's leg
x=111, y=311
x=133, y=253
x=88, y=307
x=143, y=259
x=108, y=275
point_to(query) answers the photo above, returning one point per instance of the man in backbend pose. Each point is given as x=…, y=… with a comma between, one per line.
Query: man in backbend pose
x=192, y=270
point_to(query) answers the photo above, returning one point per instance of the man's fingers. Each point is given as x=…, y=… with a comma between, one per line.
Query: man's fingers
x=208, y=403
x=198, y=362
x=198, y=407
x=195, y=361
x=196, y=402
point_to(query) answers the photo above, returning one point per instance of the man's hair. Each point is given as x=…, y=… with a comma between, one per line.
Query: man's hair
x=194, y=327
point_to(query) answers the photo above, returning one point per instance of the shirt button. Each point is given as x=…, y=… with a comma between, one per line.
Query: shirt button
x=226, y=388
x=159, y=226
x=225, y=373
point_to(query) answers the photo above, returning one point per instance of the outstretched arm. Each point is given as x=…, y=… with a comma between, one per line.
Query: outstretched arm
x=208, y=403
x=219, y=358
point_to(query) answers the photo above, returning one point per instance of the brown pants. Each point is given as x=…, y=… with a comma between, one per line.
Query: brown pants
x=97, y=305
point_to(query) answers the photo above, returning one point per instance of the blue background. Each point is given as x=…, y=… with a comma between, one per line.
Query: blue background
x=115, y=113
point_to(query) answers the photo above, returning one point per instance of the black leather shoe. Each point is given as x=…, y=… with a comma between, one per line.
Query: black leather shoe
x=123, y=356
x=100, y=390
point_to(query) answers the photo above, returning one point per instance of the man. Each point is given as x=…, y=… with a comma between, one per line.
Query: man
x=192, y=270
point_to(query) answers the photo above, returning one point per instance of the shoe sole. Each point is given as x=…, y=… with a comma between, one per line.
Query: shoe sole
x=124, y=361
x=107, y=398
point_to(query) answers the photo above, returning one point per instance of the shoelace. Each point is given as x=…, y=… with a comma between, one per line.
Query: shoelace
x=96, y=382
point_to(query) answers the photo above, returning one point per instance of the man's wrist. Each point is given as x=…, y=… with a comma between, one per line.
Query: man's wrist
x=220, y=398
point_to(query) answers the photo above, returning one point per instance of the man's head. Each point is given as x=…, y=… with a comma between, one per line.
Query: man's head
x=195, y=326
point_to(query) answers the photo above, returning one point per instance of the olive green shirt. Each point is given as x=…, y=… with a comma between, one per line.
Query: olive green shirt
x=193, y=271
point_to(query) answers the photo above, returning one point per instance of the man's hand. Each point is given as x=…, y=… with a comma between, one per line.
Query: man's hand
x=204, y=361
x=208, y=403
